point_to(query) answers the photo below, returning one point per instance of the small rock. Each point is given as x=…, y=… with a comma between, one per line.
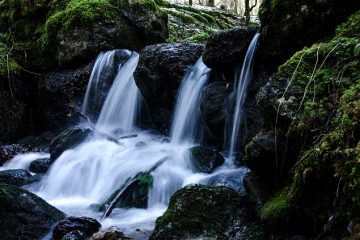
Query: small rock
x=204, y=159
x=40, y=165
x=86, y=225
x=112, y=233
x=75, y=235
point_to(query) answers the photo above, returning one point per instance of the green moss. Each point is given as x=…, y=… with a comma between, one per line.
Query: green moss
x=7, y=63
x=186, y=18
x=351, y=28
x=277, y=208
x=198, y=38
x=145, y=182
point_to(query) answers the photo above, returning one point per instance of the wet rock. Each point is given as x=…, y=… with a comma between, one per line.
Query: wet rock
x=265, y=157
x=215, y=107
x=60, y=96
x=23, y=215
x=204, y=159
x=158, y=75
x=70, y=138
x=226, y=49
x=199, y=212
x=17, y=177
x=75, y=235
x=257, y=190
x=112, y=233
x=39, y=143
x=86, y=225
x=9, y=151
x=288, y=26
x=40, y=165
x=233, y=180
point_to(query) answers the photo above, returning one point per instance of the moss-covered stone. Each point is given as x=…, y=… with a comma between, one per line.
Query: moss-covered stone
x=199, y=212
x=23, y=215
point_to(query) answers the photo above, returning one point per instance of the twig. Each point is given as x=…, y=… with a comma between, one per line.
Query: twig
x=8, y=71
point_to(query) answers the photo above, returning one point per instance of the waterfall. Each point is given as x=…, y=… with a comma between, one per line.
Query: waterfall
x=187, y=113
x=93, y=98
x=243, y=82
x=121, y=104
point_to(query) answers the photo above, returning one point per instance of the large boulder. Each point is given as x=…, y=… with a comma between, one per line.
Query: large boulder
x=86, y=225
x=226, y=49
x=288, y=26
x=201, y=212
x=23, y=215
x=68, y=139
x=205, y=160
x=17, y=177
x=158, y=75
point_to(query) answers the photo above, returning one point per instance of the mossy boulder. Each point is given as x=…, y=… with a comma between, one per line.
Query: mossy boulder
x=288, y=26
x=158, y=75
x=68, y=139
x=23, y=215
x=200, y=212
x=204, y=159
x=225, y=50
x=71, y=32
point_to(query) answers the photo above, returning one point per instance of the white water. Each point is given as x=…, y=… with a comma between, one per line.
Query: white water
x=121, y=104
x=92, y=171
x=22, y=161
x=243, y=82
x=187, y=110
x=102, y=64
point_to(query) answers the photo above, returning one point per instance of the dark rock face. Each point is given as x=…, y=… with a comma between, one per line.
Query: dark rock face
x=60, y=96
x=226, y=49
x=68, y=139
x=257, y=189
x=23, y=215
x=288, y=26
x=40, y=165
x=17, y=177
x=265, y=155
x=215, y=107
x=205, y=160
x=200, y=212
x=86, y=225
x=158, y=75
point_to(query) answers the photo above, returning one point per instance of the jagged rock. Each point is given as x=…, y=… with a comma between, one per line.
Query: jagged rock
x=75, y=235
x=40, y=165
x=158, y=75
x=17, y=177
x=288, y=26
x=112, y=233
x=205, y=160
x=226, y=49
x=86, y=225
x=70, y=138
x=199, y=212
x=23, y=215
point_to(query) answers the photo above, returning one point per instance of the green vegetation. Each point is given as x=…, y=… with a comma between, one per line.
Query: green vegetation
x=351, y=28
x=277, y=208
x=145, y=182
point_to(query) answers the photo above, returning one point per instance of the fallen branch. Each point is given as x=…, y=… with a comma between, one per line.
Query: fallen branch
x=118, y=197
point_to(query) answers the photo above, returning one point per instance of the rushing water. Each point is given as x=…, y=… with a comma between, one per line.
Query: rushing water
x=89, y=173
x=243, y=82
x=187, y=110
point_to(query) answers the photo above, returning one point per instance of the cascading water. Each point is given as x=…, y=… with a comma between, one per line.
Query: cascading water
x=119, y=110
x=92, y=171
x=243, y=82
x=187, y=113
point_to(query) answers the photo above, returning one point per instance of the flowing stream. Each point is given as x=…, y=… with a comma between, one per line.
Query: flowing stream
x=89, y=173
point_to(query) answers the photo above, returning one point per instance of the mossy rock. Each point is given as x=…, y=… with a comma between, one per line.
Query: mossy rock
x=23, y=215
x=288, y=26
x=199, y=212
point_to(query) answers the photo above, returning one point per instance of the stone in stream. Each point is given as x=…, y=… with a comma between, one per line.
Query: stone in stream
x=16, y=177
x=75, y=235
x=68, y=139
x=86, y=225
x=204, y=159
x=112, y=233
x=23, y=215
x=40, y=165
